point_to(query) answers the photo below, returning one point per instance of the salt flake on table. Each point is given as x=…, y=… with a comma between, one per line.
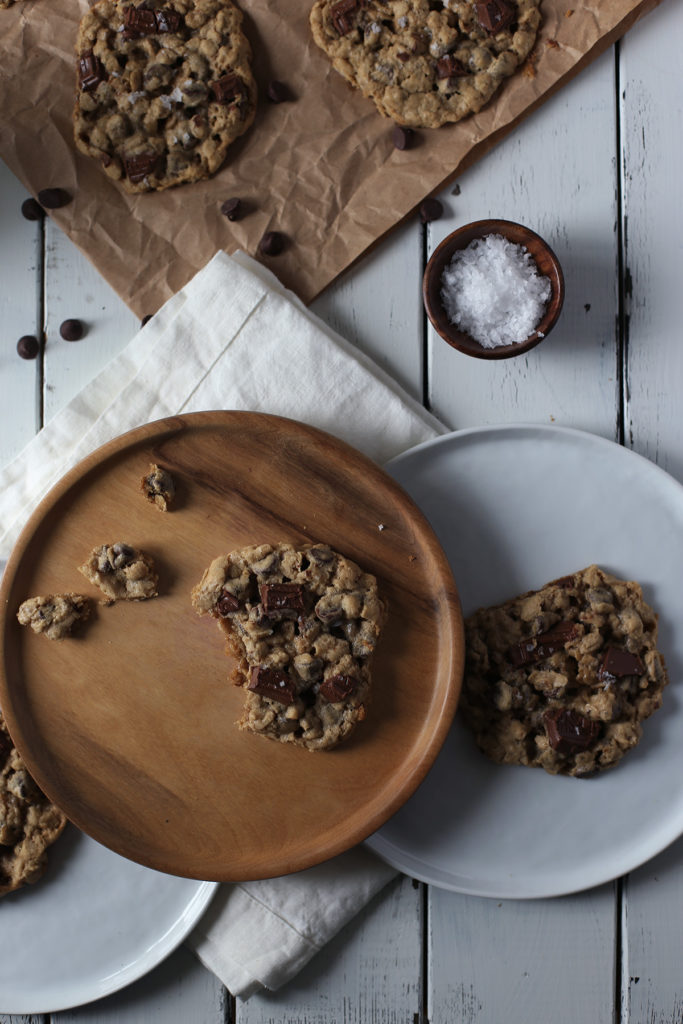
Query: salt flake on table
x=492, y=291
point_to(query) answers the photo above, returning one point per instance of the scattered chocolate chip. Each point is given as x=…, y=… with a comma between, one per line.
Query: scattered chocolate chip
x=279, y=597
x=53, y=198
x=494, y=15
x=226, y=603
x=72, y=330
x=568, y=731
x=5, y=747
x=539, y=647
x=617, y=663
x=168, y=20
x=449, y=66
x=430, y=209
x=278, y=92
x=140, y=166
x=32, y=210
x=137, y=21
x=402, y=138
x=146, y=319
x=403, y=56
x=227, y=89
x=28, y=346
x=272, y=243
x=90, y=71
x=272, y=683
x=337, y=688
x=233, y=208
x=341, y=15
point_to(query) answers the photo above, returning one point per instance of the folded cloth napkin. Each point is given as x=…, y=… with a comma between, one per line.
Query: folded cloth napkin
x=234, y=338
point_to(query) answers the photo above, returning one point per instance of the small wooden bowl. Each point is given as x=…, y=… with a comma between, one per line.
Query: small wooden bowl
x=545, y=259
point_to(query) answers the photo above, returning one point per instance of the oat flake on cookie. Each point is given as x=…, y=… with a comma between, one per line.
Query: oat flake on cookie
x=163, y=88
x=423, y=63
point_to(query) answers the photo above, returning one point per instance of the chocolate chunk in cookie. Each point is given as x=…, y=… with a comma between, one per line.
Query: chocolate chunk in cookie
x=303, y=626
x=425, y=64
x=121, y=572
x=54, y=615
x=29, y=823
x=563, y=677
x=163, y=89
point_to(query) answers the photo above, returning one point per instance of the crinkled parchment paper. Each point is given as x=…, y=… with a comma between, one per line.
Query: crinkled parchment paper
x=321, y=168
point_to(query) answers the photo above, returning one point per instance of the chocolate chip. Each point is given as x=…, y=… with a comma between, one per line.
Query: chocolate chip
x=338, y=688
x=430, y=209
x=72, y=330
x=227, y=89
x=617, y=663
x=137, y=22
x=494, y=15
x=168, y=21
x=272, y=683
x=279, y=597
x=449, y=66
x=32, y=210
x=341, y=15
x=568, y=731
x=6, y=746
x=539, y=647
x=28, y=346
x=272, y=243
x=233, y=208
x=140, y=166
x=53, y=198
x=146, y=319
x=278, y=92
x=402, y=138
x=90, y=71
x=226, y=603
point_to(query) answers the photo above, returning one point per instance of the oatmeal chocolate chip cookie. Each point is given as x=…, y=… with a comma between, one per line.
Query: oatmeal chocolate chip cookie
x=122, y=572
x=29, y=823
x=562, y=677
x=303, y=626
x=54, y=615
x=426, y=64
x=158, y=487
x=164, y=87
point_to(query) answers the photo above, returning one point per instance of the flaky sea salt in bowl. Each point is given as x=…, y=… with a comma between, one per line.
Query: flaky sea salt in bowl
x=493, y=289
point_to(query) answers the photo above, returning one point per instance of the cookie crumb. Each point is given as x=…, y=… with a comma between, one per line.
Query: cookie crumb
x=55, y=615
x=158, y=487
x=122, y=572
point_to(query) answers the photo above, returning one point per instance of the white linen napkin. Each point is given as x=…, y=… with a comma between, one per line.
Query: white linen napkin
x=234, y=338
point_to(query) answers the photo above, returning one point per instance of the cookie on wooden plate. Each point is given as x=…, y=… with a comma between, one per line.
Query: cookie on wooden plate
x=164, y=88
x=29, y=822
x=426, y=64
x=562, y=677
x=303, y=626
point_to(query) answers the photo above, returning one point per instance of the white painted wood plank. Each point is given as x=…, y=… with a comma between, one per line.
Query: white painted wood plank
x=652, y=938
x=75, y=290
x=557, y=176
x=20, y=273
x=652, y=140
x=516, y=962
x=369, y=974
x=377, y=305
x=651, y=110
x=179, y=991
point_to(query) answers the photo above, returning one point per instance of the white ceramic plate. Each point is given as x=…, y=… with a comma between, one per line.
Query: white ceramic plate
x=94, y=923
x=515, y=507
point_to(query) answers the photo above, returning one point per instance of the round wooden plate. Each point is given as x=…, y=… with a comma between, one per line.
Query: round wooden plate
x=129, y=725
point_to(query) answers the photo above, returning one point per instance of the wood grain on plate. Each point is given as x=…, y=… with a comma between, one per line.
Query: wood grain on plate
x=129, y=724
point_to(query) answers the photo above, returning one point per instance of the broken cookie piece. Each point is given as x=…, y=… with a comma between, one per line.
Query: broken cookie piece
x=54, y=615
x=29, y=823
x=562, y=678
x=122, y=572
x=303, y=626
x=158, y=487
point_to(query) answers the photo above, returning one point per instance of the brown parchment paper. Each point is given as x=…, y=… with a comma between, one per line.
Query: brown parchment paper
x=321, y=168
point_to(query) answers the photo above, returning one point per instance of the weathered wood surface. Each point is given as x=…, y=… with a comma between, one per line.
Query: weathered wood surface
x=595, y=171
